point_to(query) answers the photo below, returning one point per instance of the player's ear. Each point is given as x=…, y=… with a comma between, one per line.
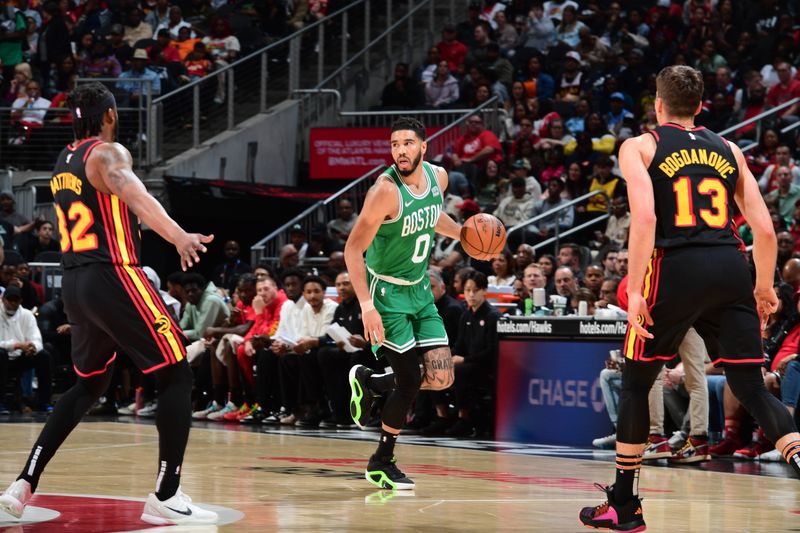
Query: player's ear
x=424, y=147
x=699, y=108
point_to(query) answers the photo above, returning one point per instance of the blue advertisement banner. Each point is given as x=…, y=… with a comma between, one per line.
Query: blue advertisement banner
x=548, y=392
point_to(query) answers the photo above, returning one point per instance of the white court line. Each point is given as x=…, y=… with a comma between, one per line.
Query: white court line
x=88, y=448
x=440, y=502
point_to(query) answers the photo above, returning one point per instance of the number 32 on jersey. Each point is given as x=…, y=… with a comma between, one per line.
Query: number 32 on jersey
x=76, y=239
x=716, y=217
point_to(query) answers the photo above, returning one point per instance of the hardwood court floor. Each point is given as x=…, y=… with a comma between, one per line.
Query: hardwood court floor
x=288, y=481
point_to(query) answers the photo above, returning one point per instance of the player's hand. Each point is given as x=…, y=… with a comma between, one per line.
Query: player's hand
x=188, y=246
x=638, y=314
x=766, y=303
x=358, y=341
x=373, y=327
x=63, y=329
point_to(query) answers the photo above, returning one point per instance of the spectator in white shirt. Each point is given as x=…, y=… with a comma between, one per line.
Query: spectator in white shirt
x=29, y=111
x=21, y=347
x=619, y=224
x=314, y=321
x=288, y=330
x=174, y=23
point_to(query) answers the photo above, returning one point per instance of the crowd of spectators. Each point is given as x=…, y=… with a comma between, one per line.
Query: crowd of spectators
x=45, y=45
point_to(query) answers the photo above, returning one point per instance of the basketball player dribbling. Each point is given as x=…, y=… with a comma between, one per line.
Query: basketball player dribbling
x=401, y=214
x=111, y=305
x=686, y=269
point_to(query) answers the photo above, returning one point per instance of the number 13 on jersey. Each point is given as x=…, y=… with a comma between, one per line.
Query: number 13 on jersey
x=78, y=239
x=716, y=217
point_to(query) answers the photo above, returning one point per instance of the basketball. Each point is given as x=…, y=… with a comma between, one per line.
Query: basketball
x=483, y=236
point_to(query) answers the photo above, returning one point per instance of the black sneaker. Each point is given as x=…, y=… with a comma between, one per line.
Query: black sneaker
x=383, y=473
x=255, y=417
x=360, y=395
x=436, y=428
x=614, y=516
x=330, y=422
x=310, y=421
x=462, y=428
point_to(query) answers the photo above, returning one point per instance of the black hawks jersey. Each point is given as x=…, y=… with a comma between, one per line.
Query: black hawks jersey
x=94, y=227
x=694, y=175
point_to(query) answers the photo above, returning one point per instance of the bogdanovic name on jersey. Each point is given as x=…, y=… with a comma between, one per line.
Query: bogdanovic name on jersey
x=677, y=160
x=421, y=219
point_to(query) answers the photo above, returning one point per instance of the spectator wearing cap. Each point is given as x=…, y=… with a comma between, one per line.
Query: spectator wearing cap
x=521, y=168
x=451, y=49
x=139, y=69
x=10, y=215
x=570, y=27
x=514, y=209
x=135, y=28
x=468, y=208
x=442, y=90
x=121, y=49
x=545, y=227
x=618, y=114
x=537, y=83
x=570, y=82
x=475, y=147
x=21, y=346
x=298, y=239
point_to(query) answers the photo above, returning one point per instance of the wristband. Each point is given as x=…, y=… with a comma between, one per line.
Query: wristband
x=367, y=306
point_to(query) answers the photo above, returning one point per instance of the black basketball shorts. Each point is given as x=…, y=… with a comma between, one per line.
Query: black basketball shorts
x=113, y=307
x=708, y=287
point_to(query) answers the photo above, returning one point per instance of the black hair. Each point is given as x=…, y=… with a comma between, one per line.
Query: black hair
x=269, y=268
x=477, y=277
x=192, y=278
x=292, y=272
x=516, y=181
x=247, y=279
x=314, y=279
x=409, y=123
x=87, y=96
x=178, y=277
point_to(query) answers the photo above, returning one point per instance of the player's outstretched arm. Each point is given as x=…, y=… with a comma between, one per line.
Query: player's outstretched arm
x=109, y=170
x=643, y=224
x=445, y=225
x=381, y=202
x=765, y=247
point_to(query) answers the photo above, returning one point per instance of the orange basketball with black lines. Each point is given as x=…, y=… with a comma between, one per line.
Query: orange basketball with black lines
x=483, y=236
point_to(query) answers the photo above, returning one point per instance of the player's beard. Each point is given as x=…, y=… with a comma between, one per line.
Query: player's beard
x=414, y=165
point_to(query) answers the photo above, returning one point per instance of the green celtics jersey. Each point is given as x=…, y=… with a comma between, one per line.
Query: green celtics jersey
x=399, y=252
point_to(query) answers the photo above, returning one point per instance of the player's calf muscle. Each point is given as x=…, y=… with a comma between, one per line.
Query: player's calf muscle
x=437, y=369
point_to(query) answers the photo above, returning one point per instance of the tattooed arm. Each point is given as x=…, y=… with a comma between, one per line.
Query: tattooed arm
x=109, y=170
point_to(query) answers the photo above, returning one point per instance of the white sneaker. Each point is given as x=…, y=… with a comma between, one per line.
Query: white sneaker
x=677, y=440
x=128, y=410
x=213, y=407
x=149, y=409
x=605, y=443
x=177, y=510
x=15, y=498
x=230, y=407
x=774, y=456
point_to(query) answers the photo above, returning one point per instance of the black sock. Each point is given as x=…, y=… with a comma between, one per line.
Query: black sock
x=67, y=413
x=626, y=485
x=219, y=394
x=173, y=420
x=791, y=452
x=386, y=444
x=380, y=383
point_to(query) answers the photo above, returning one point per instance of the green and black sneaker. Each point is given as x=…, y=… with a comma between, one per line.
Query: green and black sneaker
x=383, y=473
x=360, y=395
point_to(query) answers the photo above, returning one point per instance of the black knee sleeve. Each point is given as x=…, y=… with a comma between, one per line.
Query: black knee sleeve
x=408, y=378
x=747, y=385
x=633, y=422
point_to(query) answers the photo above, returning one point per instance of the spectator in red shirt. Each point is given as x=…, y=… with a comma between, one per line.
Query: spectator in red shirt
x=475, y=148
x=451, y=49
x=786, y=89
